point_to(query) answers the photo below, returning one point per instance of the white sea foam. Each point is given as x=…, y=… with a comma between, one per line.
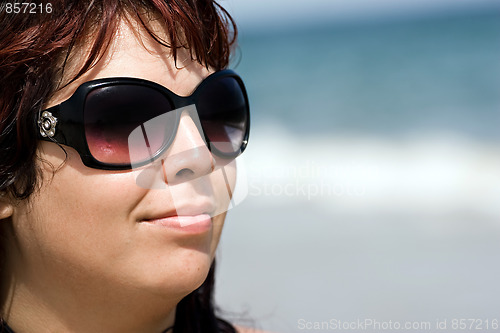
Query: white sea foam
x=420, y=174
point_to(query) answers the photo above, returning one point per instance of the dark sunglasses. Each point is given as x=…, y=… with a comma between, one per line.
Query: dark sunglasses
x=102, y=115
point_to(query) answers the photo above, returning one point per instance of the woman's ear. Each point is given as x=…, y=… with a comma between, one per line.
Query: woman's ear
x=6, y=207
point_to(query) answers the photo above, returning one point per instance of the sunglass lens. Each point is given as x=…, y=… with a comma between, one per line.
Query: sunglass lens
x=113, y=113
x=223, y=112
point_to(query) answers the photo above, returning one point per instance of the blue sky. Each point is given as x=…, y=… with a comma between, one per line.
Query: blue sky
x=266, y=13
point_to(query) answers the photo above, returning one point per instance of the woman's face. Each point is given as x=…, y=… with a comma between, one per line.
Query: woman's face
x=94, y=235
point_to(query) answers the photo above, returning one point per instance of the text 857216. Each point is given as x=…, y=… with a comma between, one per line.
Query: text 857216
x=26, y=8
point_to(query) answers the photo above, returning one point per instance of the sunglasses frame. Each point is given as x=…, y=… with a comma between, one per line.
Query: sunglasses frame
x=64, y=123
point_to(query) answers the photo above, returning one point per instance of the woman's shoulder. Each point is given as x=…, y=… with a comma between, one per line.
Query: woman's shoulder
x=241, y=329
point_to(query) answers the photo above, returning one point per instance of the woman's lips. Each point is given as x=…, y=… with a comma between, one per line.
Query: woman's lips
x=186, y=223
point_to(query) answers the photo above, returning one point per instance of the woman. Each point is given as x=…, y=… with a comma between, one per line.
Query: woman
x=113, y=186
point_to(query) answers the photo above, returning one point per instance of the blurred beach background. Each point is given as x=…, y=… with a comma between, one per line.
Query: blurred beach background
x=373, y=165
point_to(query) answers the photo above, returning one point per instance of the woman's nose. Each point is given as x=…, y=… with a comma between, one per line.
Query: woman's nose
x=188, y=156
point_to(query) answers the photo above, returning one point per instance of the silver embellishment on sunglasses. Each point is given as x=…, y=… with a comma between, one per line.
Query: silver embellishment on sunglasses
x=47, y=124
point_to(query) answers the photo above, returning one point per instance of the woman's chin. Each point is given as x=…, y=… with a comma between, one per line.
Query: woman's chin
x=177, y=278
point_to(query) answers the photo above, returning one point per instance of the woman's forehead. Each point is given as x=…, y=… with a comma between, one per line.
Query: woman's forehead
x=133, y=52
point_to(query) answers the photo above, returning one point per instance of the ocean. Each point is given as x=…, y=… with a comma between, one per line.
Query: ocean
x=370, y=187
